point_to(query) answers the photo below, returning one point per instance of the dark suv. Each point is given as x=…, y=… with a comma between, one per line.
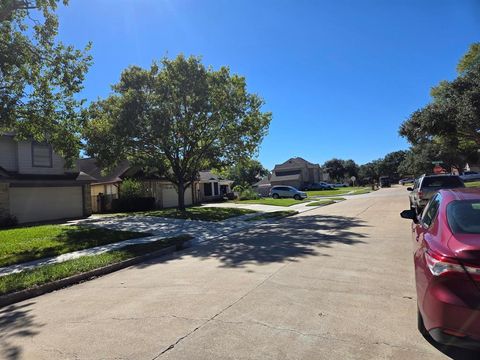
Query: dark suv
x=427, y=185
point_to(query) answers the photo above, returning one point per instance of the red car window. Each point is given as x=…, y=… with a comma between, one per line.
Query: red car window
x=464, y=216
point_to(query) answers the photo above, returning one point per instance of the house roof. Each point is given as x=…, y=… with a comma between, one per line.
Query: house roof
x=90, y=166
x=207, y=175
x=295, y=162
x=265, y=181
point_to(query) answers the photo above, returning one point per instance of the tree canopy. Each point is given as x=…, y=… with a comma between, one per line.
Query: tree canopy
x=451, y=121
x=340, y=170
x=39, y=76
x=177, y=118
x=246, y=172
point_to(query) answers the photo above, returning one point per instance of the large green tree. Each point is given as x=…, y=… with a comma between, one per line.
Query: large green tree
x=39, y=76
x=246, y=172
x=177, y=118
x=451, y=120
x=335, y=169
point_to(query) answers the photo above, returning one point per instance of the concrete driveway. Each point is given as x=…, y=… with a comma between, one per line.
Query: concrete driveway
x=332, y=283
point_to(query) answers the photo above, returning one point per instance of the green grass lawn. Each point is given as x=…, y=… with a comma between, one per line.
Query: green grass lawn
x=191, y=213
x=200, y=213
x=472, y=184
x=31, y=278
x=19, y=245
x=340, y=191
x=273, y=214
x=271, y=201
x=325, y=201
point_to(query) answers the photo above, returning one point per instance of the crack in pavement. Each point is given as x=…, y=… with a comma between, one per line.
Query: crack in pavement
x=170, y=347
x=326, y=337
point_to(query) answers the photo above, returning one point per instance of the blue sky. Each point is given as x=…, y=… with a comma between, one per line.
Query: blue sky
x=339, y=76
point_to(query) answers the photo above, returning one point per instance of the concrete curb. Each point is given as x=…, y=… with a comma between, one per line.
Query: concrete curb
x=21, y=295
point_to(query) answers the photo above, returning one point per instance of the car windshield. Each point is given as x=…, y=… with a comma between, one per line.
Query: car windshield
x=464, y=216
x=446, y=182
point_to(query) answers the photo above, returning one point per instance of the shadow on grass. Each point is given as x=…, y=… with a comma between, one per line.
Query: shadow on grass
x=284, y=240
x=67, y=240
x=15, y=321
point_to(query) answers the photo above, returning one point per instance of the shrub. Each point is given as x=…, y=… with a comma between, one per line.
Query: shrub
x=7, y=221
x=133, y=204
x=248, y=194
x=238, y=188
x=130, y=189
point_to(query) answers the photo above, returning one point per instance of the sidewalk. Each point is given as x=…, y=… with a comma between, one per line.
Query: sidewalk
x=161, y=228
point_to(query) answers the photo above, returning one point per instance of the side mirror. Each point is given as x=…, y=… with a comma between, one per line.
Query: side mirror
x=409, y=188
x=409, y=214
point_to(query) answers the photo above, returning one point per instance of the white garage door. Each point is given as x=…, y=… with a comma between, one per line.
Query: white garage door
x=46, y=203
x=170, y=196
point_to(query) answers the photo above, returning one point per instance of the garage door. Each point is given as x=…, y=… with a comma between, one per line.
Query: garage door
x=46, y=203
x=170, y=196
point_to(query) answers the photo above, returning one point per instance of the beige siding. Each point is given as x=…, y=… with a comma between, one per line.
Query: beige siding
x=8, y=153
x=25, y=162
x=30, y=204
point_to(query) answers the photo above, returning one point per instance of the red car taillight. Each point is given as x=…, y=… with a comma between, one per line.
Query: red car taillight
x=440, y=265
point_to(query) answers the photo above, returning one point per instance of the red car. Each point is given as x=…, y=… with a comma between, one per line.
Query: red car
x=446, y=239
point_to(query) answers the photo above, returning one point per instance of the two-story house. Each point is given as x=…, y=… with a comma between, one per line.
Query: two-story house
x=297, y=172
x=36, y=186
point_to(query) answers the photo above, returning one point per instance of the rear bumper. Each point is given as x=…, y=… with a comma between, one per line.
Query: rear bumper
x=451, y=313
x=449, y=340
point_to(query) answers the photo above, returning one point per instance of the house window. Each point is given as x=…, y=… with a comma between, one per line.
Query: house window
x=207, y=189
x=41, y=155
x=215, y=188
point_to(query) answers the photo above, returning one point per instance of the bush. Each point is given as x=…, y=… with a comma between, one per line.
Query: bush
x=133, y=204
x=7, y=221
x=248, y=194
x=231, y=196
x=131, y=188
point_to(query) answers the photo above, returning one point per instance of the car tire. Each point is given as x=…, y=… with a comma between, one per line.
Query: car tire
x=420, y=324
x=297, y=197
x=275, y=196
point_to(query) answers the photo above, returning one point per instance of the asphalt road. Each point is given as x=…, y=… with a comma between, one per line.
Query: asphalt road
x=331, y=283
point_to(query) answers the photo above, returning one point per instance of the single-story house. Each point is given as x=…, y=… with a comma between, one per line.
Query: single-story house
x=107, y=186
x=211, y=187
x=36, y=186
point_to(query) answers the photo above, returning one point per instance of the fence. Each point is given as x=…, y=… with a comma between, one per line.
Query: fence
x=103, y=203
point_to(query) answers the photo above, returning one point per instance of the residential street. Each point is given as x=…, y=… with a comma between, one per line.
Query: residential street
x=332, y=283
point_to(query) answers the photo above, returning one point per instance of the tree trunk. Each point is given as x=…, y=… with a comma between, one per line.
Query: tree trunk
x=181, y=196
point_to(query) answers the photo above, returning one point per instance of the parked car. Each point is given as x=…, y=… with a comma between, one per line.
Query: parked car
x=470, y=176
x=427, y=185
x=384, y=181
x=446, y=240
x=340, y=185
x=287, y=192
x=320, y=186
x=406, y=181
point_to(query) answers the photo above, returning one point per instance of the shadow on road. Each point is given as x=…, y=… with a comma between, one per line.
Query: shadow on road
x=454, y=352
x=15, y=321
x=290, y=238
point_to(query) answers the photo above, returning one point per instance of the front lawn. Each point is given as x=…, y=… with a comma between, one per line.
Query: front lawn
x=271, y=201
x=273, y=214
x=31, y=278
x=200, y=213
x=340, y=191
x=19, y=245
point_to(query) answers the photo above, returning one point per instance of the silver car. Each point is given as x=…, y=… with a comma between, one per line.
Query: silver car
x=277, y=192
